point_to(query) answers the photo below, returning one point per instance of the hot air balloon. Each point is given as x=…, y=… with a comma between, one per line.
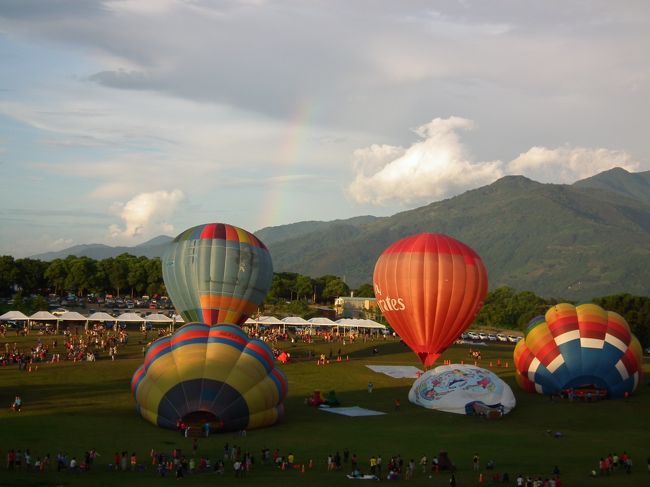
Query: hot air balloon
x=572, y=347
x=462, y=389
x=212, y=374
x=217, y=273
x=430, y=287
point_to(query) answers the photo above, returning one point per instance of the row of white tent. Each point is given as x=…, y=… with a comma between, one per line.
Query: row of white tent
x=157, y=318
x=45, y=316
x=297, y=321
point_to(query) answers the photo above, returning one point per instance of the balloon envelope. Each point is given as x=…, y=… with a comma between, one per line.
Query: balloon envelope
x=459, y=388
x=578, y=346
x=217, y=273
x=214, y=374
x=430, y=287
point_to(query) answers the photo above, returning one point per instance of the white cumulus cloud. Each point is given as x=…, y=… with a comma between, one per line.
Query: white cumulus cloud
x=435, y=167
x=146, y=214
x=439, y=166
x=568, y=164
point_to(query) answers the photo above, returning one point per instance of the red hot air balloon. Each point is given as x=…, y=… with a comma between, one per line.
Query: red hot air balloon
x=430, y=287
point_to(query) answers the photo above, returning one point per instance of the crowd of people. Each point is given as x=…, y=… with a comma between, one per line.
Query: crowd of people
x=611, y=463
x=87, y=345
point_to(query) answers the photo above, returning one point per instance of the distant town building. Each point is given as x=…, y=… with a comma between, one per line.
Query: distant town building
x=351, y=307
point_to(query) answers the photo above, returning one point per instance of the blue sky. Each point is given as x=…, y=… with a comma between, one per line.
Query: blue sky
x=121, y=120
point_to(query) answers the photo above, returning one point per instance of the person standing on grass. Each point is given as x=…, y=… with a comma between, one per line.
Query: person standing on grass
x=476, y=462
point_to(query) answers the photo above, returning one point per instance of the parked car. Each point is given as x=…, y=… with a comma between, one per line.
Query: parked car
x=482, y=336
x=473, y=336
x=501, y=337
x=512, y=339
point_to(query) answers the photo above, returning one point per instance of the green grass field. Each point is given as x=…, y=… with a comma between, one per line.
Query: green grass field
x=74, y=407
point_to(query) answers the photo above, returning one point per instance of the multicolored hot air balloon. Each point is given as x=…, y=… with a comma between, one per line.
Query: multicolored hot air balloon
x=212, y=374
x=573, y=347
x=430, y=287
x=217, y=273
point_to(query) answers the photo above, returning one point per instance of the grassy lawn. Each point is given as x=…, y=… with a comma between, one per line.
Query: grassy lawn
x=73, y=407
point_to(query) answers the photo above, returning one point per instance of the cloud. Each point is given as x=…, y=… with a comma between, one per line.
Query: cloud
x=146, y=214
x=435, y=167
x=438, y=166
x=567, y=164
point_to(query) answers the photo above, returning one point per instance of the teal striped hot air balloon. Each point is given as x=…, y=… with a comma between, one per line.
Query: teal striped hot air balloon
x=217, y=273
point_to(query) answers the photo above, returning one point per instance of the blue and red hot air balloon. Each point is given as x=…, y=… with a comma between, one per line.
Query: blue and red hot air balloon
x=579, y=346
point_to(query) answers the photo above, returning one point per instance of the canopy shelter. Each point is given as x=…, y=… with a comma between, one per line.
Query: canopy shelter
x=321, y=321
x=158, y=318
x=72, y=316
x=360, y=323
x=265, y=321
x=14, y=316
x=43, y=316
x=101, y=316
x=130, y=318
x=296, y=322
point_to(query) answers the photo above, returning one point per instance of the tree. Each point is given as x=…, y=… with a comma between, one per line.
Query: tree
x=81, y=273
x=303, y=287
x=137, y=277
x=56, y=274
x=155, y=283
x=30, y=275
x=334, y=288
x=117, y=271
x=365, y=291
x=8, y=273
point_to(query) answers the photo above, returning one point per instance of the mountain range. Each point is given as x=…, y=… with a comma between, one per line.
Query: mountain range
x=591, y=238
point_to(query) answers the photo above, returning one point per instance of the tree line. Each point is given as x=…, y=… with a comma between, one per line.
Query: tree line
x=504, y=307
x=137, y=276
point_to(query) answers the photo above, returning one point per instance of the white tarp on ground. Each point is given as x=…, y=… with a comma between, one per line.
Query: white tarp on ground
x=352, y=411
x=397, y=371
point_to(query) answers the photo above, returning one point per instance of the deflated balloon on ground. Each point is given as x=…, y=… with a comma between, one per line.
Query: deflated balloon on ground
x=463, y=389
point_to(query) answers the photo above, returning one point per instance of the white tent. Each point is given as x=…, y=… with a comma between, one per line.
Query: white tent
x=295, y=321
x=72, y=316
x=43, y=316
x=178, y=319
x=322, y=322
x=269, y=320
x=158, y=318
x=14, y=316
x=101, y=316
x=130, y=318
